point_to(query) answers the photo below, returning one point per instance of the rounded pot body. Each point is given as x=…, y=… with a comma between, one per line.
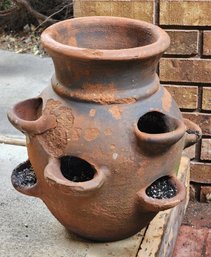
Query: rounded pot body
x=105, y=115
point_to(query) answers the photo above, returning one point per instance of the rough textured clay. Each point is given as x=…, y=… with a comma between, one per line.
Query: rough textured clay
x=106, y=120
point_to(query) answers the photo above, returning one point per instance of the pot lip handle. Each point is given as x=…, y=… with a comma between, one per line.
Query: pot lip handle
x=30, y=191
x=149, y=204
x=38, y=126
x=193, y=133
x=54, y=177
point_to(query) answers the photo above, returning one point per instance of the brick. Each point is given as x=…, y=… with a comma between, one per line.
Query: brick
x=143, y=11
x=206, y=149
x=77, y=9
x=192, y=192
x=195, y=13
x=202, y=119
x=190, y=152
x=207, y=43
x=103, y=8
x=206, y=99
x=85, y=8
x=183, y=42
x=200, y=172
x=185, y=96
x=122, y=9
x=205, y=194
x=185, y=70
x=190, y=242
x=208, y=244
x=125, y=8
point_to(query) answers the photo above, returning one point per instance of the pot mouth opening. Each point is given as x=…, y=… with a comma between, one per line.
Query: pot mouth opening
x=76, y=169
x=23, y=176
x=162, y=188
x=106, y=38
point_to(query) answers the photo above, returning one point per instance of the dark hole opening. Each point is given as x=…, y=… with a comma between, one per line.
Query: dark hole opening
x=162, y=188
x=76, y=169
x=154, y=123
x=24, y=175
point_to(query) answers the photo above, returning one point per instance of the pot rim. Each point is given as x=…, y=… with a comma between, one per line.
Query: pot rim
x=158, y=47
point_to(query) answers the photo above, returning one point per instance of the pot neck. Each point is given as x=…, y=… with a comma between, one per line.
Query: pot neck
x=105, y=82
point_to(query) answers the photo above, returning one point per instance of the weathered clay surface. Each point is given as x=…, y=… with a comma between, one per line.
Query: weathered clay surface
x=110, y=114
x=55, y=140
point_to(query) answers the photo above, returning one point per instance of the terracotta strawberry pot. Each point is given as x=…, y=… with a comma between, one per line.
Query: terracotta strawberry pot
x=105, y=130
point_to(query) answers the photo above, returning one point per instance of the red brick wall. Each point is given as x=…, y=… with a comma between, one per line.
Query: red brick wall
x=185, y=69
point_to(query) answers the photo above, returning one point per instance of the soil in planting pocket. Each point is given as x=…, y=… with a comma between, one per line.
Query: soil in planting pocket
x=23, y=175
x=162, y=188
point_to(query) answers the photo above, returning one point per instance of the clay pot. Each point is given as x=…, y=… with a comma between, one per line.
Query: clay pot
x=106, y=119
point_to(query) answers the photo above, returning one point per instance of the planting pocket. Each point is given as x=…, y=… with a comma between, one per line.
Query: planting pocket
x=163, y=194
x=71, y=174
x=27, y=117
x=156, y=132
x=24, y=179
